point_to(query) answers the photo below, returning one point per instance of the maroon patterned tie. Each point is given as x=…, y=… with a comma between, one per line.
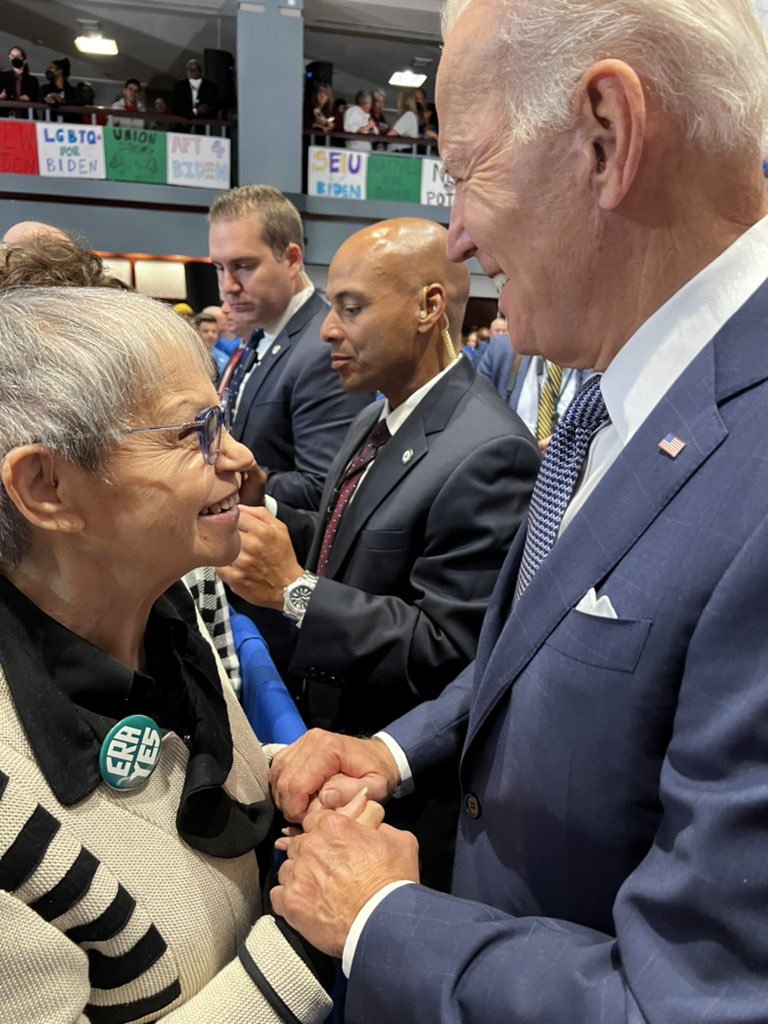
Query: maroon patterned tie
x=367, y=453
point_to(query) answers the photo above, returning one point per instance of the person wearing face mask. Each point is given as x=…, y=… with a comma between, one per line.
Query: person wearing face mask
x=59, y=91
x=195, y=96
x=17, y=83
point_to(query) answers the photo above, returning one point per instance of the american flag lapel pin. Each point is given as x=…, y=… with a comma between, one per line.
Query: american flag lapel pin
x=671, y=446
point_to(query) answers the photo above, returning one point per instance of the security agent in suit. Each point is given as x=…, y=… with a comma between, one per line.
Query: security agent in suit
x=389, y=595
x=288, y=407
x=610, y=738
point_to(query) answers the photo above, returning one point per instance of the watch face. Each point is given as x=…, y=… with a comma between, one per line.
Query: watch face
x=299, y=596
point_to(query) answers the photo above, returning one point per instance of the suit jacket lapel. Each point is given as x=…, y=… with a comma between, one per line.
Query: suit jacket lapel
x=391, y=465
x=399, y=456
x=356, y=434
x=276, y=351
x=637, y=487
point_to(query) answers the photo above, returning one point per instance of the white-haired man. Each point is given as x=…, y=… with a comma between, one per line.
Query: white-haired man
x=610, y=740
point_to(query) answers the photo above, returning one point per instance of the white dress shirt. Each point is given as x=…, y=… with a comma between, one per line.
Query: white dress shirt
x=638, y=377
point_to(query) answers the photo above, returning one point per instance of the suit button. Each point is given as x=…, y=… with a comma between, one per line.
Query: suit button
x=472, y=805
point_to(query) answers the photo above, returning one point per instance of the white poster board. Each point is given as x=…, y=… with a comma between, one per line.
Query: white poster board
x=70, y=150
x=434, y=184
x=198, y=161
x=336, y=173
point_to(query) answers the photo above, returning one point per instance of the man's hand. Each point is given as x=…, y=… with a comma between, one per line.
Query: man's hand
x=333, y=869
x=266, y=562
x=253, y=486
x=333, y=767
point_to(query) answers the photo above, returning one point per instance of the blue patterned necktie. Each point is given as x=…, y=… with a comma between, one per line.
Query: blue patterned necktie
x=248, y=359
x=558, y=475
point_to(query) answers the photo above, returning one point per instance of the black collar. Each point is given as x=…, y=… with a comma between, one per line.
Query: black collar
x=69, y=694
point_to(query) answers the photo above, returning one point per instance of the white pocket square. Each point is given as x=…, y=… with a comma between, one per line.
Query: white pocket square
x=601, y=607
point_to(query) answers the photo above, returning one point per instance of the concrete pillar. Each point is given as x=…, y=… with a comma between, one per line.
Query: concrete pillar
x=270, y=76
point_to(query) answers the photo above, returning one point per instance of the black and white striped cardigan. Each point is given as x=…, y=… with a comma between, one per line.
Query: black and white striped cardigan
x=107, y=917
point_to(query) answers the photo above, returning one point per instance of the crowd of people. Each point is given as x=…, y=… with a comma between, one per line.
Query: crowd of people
x=192, y=98
x=416, y=117
x=514, y=583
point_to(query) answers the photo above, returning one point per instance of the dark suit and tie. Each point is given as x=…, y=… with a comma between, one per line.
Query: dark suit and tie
x=414, y=556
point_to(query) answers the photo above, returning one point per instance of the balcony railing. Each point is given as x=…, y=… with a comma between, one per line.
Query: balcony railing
x=97, y=116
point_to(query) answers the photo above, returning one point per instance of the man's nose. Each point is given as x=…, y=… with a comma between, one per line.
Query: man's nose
x=460, y=246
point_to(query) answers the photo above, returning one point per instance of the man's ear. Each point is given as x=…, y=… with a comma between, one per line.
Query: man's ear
x=293, y=258
x=613, y=122
x=431, y=307
x=36, y=482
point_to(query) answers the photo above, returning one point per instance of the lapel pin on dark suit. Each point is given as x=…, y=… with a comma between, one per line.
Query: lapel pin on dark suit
x=276, y=349
x=671, y=446
x=407, y=456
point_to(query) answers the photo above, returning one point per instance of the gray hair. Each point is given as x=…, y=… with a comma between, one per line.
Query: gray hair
x=76, y=364
x=706, y=59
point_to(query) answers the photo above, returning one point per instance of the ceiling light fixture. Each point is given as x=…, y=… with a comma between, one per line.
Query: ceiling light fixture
x=92, y=40
x=97, y=44
x=407, y=79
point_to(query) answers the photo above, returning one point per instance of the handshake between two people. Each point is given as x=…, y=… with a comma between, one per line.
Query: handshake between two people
x=333, y=787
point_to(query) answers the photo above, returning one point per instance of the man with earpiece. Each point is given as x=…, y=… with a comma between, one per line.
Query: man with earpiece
x=388, y=583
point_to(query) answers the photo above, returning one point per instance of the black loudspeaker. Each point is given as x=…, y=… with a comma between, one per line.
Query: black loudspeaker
x=220, y=69
x=319, y=71
x=202, y=285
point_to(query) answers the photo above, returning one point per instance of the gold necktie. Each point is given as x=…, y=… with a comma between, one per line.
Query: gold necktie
x=550, y=392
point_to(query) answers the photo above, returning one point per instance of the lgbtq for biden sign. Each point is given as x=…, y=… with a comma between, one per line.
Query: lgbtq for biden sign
x=53, y=150
x=349, y=174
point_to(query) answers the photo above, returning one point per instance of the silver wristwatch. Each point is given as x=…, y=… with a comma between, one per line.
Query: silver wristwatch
x=296, y=596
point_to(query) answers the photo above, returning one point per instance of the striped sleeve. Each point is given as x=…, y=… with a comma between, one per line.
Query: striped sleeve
x=130, y=970
x=76, y=947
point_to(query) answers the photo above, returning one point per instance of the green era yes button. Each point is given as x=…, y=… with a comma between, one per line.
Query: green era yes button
x=130, y=752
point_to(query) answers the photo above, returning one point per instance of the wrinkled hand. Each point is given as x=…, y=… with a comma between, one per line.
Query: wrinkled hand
x=334, y=868
x=253, y=486
x=333, y=767
x=266, y=562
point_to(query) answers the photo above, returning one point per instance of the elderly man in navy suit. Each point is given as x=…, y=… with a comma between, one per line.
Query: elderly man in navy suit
x=388, y=584
x=610, y=738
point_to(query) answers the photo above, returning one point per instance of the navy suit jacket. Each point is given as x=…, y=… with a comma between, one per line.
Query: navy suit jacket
x=416, y=554
x=612, y=849
x=293, y=414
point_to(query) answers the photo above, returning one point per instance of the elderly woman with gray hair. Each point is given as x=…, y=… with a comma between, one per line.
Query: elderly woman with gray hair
x=133, y=794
